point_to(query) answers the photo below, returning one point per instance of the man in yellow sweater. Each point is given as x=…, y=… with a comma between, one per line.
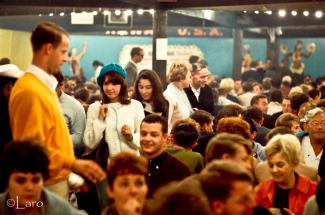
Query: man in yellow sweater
x=35, y=111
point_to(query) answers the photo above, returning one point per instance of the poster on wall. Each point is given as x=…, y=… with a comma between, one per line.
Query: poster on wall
x=174, y=53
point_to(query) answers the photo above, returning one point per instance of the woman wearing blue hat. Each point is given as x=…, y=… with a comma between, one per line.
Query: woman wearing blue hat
x=117, y=118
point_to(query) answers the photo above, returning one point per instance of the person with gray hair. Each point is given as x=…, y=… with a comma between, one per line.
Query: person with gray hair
x=312, y=145
x=287, y=191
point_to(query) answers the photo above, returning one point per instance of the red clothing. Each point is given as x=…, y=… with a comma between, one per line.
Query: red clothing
x=298, y=195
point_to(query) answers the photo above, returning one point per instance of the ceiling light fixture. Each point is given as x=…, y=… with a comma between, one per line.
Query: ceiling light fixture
x=306, y=13
x=268, y=12
x=151, y=11
x=319, y=14
x=62, y=14
x=128, y=12
x=256, y=12
x=282, y=13
x=294, y=13
x=106, y=12
x=245, y=11
x=117, y=12
x=140, y=11
x=94, y=12
x=51, y=14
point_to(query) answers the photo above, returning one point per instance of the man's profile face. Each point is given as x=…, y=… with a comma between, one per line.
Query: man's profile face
x=152, y=140
x=200, y=78
x=58, y=55
x=263, y=105
x=139, y=57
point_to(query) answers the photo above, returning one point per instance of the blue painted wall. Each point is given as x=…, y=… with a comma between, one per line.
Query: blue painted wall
x=217, y=51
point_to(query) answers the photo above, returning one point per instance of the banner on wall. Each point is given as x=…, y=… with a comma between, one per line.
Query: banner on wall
x=174, y=32
x=174, y=53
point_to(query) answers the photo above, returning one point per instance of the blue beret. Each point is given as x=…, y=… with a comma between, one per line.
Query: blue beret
x=113, y=67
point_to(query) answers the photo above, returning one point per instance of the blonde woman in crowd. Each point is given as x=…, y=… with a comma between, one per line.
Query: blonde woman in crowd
x=179, y=106
x=287, y=191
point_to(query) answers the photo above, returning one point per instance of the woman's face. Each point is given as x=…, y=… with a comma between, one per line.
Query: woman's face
x=127, y=188
x=25, y=188
x=295, y=127
x=145, y=89
x=280, y=169
x=111, y=90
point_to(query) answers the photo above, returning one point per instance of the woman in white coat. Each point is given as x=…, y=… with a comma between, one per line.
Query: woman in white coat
x=180, y=107
x=117, y=116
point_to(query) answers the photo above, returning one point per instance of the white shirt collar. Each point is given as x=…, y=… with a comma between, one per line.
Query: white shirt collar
x=196, y=92
x=48, y=79
x=133, y=62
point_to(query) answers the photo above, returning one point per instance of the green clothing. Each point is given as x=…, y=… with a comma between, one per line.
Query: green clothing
x=193, y=160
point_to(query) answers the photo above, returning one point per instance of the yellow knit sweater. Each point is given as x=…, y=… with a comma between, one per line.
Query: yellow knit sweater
x=35, y=113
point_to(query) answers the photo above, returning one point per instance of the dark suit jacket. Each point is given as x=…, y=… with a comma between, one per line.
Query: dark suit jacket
x=164, y=169
x=205, y=99
x=131, y=73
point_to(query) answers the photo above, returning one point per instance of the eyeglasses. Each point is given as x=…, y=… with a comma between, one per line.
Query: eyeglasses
x=317, y=123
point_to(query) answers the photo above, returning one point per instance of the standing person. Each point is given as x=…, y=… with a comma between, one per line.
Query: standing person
x=286, y=191
x=163, y=168
x=131, y=69
x=35, y=111
x=148, y=91
x=117, y=116
x=9, y=74
x=74, y=114
x=97, y=66
x=199, y=93
x=179, y=76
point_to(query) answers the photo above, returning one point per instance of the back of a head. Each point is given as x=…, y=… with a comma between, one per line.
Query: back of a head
x=228, y=111
x=176, y=199
x=4, y=61
x=47, y=32
x=234, y=125
x=247, y=87
x=178, y=71
x=185, y=135
x=297, y=100
x=276, y=96
x=253, y=113
x=225, y=143
x=219, y=176
x=59, y=77
x=286, y=120
x=278, y=130
x=202, y=117
x=193, y=59
x=28, y=156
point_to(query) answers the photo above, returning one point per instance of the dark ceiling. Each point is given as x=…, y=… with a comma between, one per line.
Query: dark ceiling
x=23, y=14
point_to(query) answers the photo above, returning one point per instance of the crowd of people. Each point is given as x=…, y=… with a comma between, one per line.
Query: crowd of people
x=204, y=145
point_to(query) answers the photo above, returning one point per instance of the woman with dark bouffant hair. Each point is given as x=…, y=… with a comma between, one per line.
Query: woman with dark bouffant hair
x=116, y=117
x=148, y=91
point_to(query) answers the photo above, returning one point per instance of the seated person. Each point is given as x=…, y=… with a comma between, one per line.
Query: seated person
x=286, y=191
x=205, y=119
x=290, y=121
x=127, y=186
x=24, y=168
x=184, y=138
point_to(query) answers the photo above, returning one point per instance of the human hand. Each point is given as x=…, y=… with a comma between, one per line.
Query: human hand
x=132, y=207
x=103, y=110
x=127, y=132
x=89, y=169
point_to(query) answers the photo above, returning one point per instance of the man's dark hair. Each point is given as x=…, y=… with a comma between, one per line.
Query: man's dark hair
x=153, y=118
x=225, y=143
x=253, y=113
x=202, y=117
x=4, y=61
x=47, y=32
x=228, y=111
x=185, y=135
x=256, y=99
x=297, y=100
x=135, y=51
x=193, y=59
x=278, y=130
x=26, y=156
x=97, y=63
x=247, y=86
x=59, y=77
x=313, y=93
x=276, y=96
